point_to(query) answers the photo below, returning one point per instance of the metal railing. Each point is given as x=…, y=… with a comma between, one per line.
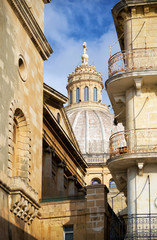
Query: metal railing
x=136, y=226
x=133, y=60
x=133, y=141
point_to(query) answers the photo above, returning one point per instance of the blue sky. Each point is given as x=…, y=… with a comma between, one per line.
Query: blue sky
x=69, y=23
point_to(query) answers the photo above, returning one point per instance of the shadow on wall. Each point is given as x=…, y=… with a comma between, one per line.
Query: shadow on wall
x=9, y=231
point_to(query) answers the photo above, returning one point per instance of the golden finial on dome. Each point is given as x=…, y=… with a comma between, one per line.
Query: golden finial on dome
x=85, y=55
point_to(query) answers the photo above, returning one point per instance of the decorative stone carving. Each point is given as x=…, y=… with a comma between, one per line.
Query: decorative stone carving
x=140, y=169
x=138, y=85
x=61, y=165
x=24, y=210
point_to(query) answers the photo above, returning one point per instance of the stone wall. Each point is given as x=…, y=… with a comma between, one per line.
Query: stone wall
x=89, y=217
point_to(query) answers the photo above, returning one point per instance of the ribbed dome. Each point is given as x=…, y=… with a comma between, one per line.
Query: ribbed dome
x=92, y=128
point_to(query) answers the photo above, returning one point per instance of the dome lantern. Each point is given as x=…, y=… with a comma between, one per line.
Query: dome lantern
x=85, y=83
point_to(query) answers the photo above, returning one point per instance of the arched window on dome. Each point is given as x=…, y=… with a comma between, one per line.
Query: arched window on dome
x=96, y=181
x=77, y=94
x=71, y=97
x=112, y=184
x=86, y=94
x=95, y=94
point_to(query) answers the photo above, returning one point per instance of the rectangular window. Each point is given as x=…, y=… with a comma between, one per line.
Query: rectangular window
x=71, y=97
x=68, y=232
x=86, y=94
x=77, y=94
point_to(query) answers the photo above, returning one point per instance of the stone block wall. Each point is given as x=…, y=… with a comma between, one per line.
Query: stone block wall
x=89, y=217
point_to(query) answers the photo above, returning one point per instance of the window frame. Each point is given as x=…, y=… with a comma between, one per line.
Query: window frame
x=95, y=94
x=77, y=95
x=86, y=93
x=68, y=231
x=71, y=97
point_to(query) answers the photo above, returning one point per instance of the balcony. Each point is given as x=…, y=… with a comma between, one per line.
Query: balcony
x=140, y=59
x=135, y=226
x=142, y=140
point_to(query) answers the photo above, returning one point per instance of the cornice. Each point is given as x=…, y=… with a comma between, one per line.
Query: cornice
x=33, y=29
x=69, y=84
x=130, y=3
x=18, y=190
x=51, y=95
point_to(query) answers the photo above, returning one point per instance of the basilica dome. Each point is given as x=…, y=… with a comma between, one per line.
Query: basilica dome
x=93, y=125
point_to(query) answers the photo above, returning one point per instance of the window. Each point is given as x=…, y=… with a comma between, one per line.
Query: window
x=71, y=97
x=68, y=232
x=96, y=181
x=22, y=68
x=95, y=94
x=112, y=184
x=20, y=146
x=86, y=93
x=58, y=117
x=15, y=145
x=77, y=94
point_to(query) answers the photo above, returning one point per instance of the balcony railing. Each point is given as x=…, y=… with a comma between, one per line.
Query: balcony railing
x=136, y=226
x=133, y=141
x=133, y=60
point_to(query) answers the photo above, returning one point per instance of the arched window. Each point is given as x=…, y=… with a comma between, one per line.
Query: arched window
x=71, y=97
x=96, y=181
x=21, y=146
x=112, y=184
x=58, y=117
x=15, y=145
x=86, y=93
x=95, y=94
x=77, y=94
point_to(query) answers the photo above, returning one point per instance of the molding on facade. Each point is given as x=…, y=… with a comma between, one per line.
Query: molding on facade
x=33, y=29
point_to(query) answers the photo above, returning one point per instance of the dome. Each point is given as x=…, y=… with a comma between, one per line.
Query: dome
x=93, y=127
x=91, y=120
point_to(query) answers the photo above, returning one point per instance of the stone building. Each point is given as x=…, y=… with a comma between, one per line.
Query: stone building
x=42, y=171
x=132, y=89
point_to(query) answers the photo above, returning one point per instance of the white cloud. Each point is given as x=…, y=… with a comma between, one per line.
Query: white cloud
x=68, y=50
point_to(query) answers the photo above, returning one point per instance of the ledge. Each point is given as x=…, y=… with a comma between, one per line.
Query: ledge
x=129, y=3
x=33, y=29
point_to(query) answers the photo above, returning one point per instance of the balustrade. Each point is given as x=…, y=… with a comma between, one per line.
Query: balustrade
x=133, y=141
x=133, y=60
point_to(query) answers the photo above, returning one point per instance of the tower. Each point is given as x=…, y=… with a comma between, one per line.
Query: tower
x=131, y=87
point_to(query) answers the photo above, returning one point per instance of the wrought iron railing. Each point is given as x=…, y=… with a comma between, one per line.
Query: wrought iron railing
x=133, y=141
x=136, y=226
x=133, y=60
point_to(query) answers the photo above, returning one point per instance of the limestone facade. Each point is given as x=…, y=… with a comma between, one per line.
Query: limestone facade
x=132, y=90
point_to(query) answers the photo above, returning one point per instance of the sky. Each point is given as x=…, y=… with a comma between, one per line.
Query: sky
x=69, y=23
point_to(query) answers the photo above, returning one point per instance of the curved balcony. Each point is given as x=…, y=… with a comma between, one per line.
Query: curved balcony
x=133, y=141
x=139, y=59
